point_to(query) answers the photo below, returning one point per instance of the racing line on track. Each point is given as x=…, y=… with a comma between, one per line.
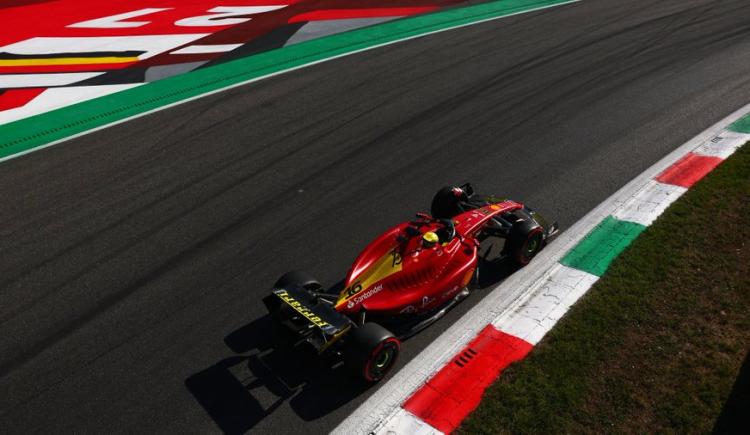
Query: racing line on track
x=136, y=100
x=149, y=242
x=441, y=386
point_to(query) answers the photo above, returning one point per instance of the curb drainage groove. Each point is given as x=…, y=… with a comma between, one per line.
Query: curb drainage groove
x=407, y=403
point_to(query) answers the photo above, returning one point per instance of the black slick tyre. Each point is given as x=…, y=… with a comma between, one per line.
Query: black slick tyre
x=370, y=352
x=296, y=278
x=445, y=204
x=524, y=241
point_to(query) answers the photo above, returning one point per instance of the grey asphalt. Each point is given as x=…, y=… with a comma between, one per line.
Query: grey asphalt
x=134, y=258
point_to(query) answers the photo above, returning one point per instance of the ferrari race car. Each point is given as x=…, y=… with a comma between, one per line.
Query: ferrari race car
x=407, y=278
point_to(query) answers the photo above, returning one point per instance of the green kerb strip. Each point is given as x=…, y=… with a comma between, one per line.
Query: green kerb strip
x=35, y=131
x=602, y=245
x=741, y=126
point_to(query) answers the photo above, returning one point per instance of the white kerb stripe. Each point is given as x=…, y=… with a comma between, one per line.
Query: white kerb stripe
x=512, y=296
x=649, y=203
x=551, y=299
x=723, y=145
x=404, y=422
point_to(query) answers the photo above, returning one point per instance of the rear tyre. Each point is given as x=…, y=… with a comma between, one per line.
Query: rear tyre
x=524, y=241
x=370, y=352
x=296, y=278
x=445, y=204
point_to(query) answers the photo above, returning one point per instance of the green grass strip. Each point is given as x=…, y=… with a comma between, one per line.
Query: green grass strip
x=26, y=134
x=656, y=345
x=599, y=248
x=741, y=126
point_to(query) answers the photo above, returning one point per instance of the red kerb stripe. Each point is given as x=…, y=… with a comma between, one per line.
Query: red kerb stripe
x=688, y=170
x=446, y=399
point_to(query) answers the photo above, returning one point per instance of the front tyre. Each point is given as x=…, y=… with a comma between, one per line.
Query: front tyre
x=445, y=204
x=371, y=352
x=524, y=241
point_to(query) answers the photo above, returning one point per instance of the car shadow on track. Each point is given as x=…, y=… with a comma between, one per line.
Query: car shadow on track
x=267, y=370
x=240, y=391
x=492, y=273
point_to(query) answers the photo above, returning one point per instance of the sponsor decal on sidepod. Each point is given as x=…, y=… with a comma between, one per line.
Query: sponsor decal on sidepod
x=364, y=296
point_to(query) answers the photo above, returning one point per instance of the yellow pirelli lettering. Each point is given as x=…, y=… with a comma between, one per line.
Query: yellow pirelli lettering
x=309, y=315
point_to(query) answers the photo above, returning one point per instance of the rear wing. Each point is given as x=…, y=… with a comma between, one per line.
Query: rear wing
x=307, y=315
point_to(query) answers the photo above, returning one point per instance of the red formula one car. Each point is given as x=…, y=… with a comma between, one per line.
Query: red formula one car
x=407, y=278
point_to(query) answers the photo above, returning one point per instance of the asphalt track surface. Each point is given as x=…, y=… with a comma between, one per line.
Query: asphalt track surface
x=134, y=258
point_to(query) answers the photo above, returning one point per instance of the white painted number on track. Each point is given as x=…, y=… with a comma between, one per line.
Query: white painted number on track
x=220, y=16
x=225, y=15
x=115, y=21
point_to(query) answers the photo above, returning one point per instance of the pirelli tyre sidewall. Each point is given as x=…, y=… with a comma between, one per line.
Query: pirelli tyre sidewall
x=382, y=359
x=371, y=352
x=525, y=241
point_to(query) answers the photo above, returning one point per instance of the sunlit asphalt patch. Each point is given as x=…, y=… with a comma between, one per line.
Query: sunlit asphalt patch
x=46, y=129
x=422, y=397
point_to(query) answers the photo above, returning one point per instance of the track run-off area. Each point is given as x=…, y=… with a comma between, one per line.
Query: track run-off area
x=135, y=257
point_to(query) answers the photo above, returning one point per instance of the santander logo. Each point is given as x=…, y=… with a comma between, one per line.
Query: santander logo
x=357, y=300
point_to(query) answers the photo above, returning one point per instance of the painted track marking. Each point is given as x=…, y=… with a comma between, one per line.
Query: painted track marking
x=30, y=134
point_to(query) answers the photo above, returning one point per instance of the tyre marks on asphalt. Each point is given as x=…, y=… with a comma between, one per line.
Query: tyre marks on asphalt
x=452, y=391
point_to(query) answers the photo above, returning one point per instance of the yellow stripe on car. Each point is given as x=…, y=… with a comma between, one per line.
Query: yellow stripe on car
x=384, y=267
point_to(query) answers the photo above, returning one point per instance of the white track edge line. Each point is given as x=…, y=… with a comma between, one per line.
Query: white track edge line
x=246, y=82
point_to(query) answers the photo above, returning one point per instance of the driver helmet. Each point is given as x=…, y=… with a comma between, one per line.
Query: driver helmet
x=429, y=239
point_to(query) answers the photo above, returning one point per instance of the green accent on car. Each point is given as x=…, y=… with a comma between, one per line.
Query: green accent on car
x=383, y=359
x=532, y=246
x=741, y=126
x=602, y=245
x=23, y=135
